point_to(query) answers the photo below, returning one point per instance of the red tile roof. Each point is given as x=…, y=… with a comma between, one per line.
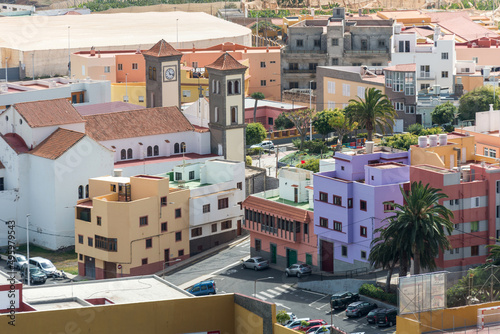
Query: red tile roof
x=57, y=143
x=136, y=123
x=279, y=209
x=48, y=113
x=162, y=49
x=460, y=24
x=16, y=142
x=402, y=68
x=105, y=108
x=226, y=62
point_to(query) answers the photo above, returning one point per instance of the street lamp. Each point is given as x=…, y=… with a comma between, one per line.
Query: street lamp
x=125, y=99
x=310, y=107
x=164, y=263
x=255, y=284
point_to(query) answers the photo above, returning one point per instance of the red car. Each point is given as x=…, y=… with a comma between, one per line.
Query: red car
x=312, y=323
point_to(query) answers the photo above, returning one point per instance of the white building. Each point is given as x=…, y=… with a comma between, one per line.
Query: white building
x=80, y=92
x=45, y=163
x=435, y=59
x=149, y=141
x=216, y=192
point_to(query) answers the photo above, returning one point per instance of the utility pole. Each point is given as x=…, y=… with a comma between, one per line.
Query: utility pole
x=277, y=160
x=69, y=54
x=28, y=246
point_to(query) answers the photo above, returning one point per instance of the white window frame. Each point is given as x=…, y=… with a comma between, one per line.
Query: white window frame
x=361, y=92
x=331, y=105
x=331, y=87
x=346, y=89
x=444, y=55
x=398, y=106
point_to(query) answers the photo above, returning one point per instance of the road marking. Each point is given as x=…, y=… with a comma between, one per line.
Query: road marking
x=316, y=293
x=283, y=306
x=317, y=300
x=266, y=294
x=287, y=286
x=280, y=289
x=271, y=291
x=260, y=297
x=241, y=251
x=206, y=277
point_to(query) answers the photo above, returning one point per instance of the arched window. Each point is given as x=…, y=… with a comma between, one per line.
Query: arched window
x=80, y=192
x=154, y=73
x=183, y=147
x=237, y=87
x=229, y=87
x=87, y=191
x=156, y=151
x=234, y=114
x=176, y=148
x=218, y=87
x=150, y=73
x=216, y=112
x=123, y=154
x=150, y=151
x=129, y=153
x=213, y=86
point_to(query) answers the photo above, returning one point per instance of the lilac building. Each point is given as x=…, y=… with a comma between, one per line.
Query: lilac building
x=348, y=205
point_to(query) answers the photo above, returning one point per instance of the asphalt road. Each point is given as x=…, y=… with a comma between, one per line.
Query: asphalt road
x=270, y=285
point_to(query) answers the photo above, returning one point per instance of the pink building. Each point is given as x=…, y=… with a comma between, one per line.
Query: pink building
x=267, y=111
x=474, y=198
x=280, y=221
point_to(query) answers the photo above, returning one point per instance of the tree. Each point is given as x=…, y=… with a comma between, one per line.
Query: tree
x=322, y=122
x=311, y=164
x=385, y=254
x=416, y=129
x=443, y=113
x=494, y=254
x=301, y=119
x=255, y=133
x=419, y=226
x=375, y=111
x=282, y=317
x=342, y=125
x=477, y=100
x=282, y=122
x=256, y=96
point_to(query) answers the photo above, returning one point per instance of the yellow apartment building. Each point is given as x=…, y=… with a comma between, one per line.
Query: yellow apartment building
x=131, y=226
x=339, y=84
x=446, y=150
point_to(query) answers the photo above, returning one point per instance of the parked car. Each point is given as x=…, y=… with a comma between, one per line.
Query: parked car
x=357, y=309
x=386, y=317
x=322, y=329
x=292, y=318
x=204, y=288
x=296, y=323
x=266, y=145
x=18, y=260
x=342, y=299
x=36, y=275
x=298, y=270
x=255, y=263
x=311, y=323
x=44, y=265
x=372, y=316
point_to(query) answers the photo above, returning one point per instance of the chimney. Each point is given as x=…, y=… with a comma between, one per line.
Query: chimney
x=92, y=52
x=118, y=173
x=99, y=54
x=369, y=147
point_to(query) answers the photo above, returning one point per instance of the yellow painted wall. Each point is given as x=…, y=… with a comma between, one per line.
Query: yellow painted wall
x=121, y=220
x=441, y=319
x=470, y=82
x=247, y=322
x=440, y=156
x=278, y=329
x=187, y=315
x=234, y=144
x=134, y=90
x=338, y=97
x=483, y=140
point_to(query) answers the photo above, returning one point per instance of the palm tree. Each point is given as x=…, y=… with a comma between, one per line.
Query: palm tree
x=419, y=226
x=494, y=254
x=384, y=254
x=256, y=96
x=375, y=111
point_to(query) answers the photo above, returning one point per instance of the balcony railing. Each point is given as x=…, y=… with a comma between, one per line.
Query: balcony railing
x=287, y=50
x=363, y=52
x=426, y=75
x=286, y=70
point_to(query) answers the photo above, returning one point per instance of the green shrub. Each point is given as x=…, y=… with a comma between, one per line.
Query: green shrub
x=431, y=131
x=362, y=135
x=311, y=164
x=248, y=160
x=375, y=292
x=415, y=129
x=255, y=151
x=316, y=146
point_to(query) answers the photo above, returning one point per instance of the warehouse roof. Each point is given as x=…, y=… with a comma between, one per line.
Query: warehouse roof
x=121, y=29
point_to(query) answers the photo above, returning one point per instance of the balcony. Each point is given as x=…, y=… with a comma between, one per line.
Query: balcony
x=289, y=51
x=426, y=75
x=365, y=52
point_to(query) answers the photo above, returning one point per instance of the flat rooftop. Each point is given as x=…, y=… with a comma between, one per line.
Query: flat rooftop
x=177, y=157
x=120, y=29
x=436, y=169
x=118, y=290
x=302, y=205
x=388, y=165
x=250, y=103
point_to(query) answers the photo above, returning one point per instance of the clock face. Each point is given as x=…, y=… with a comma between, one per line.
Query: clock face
x=169, y=73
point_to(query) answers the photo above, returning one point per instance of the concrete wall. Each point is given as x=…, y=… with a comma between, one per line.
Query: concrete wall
x=333, y=286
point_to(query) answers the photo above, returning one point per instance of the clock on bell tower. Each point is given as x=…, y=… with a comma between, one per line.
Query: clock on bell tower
x=163, y=85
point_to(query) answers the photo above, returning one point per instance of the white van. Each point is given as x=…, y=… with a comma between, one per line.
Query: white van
x=44, y=265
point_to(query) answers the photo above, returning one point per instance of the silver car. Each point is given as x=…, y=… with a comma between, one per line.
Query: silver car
x=324, y=329
x=255, y=263
x=298, y=270
x=18, y=260
x=296, y=322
